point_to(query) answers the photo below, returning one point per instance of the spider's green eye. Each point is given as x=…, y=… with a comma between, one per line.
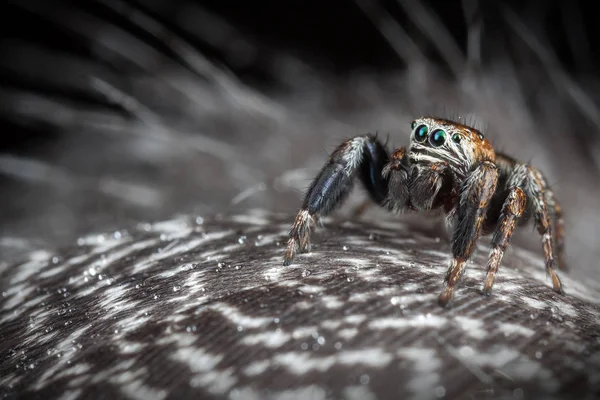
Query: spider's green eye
x=421, y=133
x=413, y=125
x=456, y=138
x=438, y=138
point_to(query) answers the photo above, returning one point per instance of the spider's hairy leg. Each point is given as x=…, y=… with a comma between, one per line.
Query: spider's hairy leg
x=512, y=210
x=475, y=196
x=536, y=189
x=559, y=229
x=362, y=155
x=425, y=185
x=397, y=173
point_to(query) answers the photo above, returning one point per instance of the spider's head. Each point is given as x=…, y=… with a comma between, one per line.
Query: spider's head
x=434, y=140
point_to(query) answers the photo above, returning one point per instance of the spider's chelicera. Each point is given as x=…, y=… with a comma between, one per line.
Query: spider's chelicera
x=448, y=166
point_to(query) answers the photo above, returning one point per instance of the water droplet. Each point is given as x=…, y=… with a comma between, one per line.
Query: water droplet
x=242, y=239
x=321, y=340
x=304, y=346
x=437, y=240
x=238, y=267
x=440, y=391
x=467, y=352
x=518, y=394
x=373, y=236
x=199, y=220
x=364, y=379
x=315, y=347
x=276, y=320
x=176, y=288
x=117, y=235
x=100, y=277
x=338, y=345
x=395, y=300
x=80, y=241
x=92, y=271
x=55, y=260
x=538, y=354
x=350, y=279
x=411, y=264
x=240, y=328
x=345, y=248
x=306, y=273
x=4, y=294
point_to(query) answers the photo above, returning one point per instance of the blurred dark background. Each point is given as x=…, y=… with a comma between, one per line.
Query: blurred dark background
x=117, y=112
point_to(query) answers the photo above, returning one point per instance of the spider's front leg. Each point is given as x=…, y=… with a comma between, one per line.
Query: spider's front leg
x=364, y=156
x=475, y=196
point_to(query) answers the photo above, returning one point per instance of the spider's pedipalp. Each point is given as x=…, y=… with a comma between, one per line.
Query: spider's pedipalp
x=512, y=210
x=362, y=155
x=397, y=172
x=475, y=196
x=426, y=184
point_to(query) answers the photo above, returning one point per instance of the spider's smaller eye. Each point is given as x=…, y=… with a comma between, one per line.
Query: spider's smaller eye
x=456, y=138
x=413, y=125
x=437, y=138
x=421, y=133
x=481, y=137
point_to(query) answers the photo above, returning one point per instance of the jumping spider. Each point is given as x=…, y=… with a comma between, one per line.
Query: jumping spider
x=448, y=166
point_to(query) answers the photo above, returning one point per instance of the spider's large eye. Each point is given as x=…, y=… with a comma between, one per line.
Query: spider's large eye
x=437, y=138
x=421, y=133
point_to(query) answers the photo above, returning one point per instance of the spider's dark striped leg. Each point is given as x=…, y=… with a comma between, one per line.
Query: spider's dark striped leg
x=475, y=196
x=536, y=189
x=559, y=229
x=364, y=156
x=512, y=210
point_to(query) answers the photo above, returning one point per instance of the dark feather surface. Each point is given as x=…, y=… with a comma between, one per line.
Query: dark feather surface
x=117, y=114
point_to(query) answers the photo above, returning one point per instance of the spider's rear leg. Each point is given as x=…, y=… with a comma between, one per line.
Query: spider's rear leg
x=475, y=196
x=536, y=189
x=559, y=229
x=364, y=156
x=512, y=210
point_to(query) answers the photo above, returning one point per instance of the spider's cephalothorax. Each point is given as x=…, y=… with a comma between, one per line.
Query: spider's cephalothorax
x=448, y=166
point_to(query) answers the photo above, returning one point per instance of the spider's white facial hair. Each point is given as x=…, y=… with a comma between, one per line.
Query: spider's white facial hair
x=459, y=156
